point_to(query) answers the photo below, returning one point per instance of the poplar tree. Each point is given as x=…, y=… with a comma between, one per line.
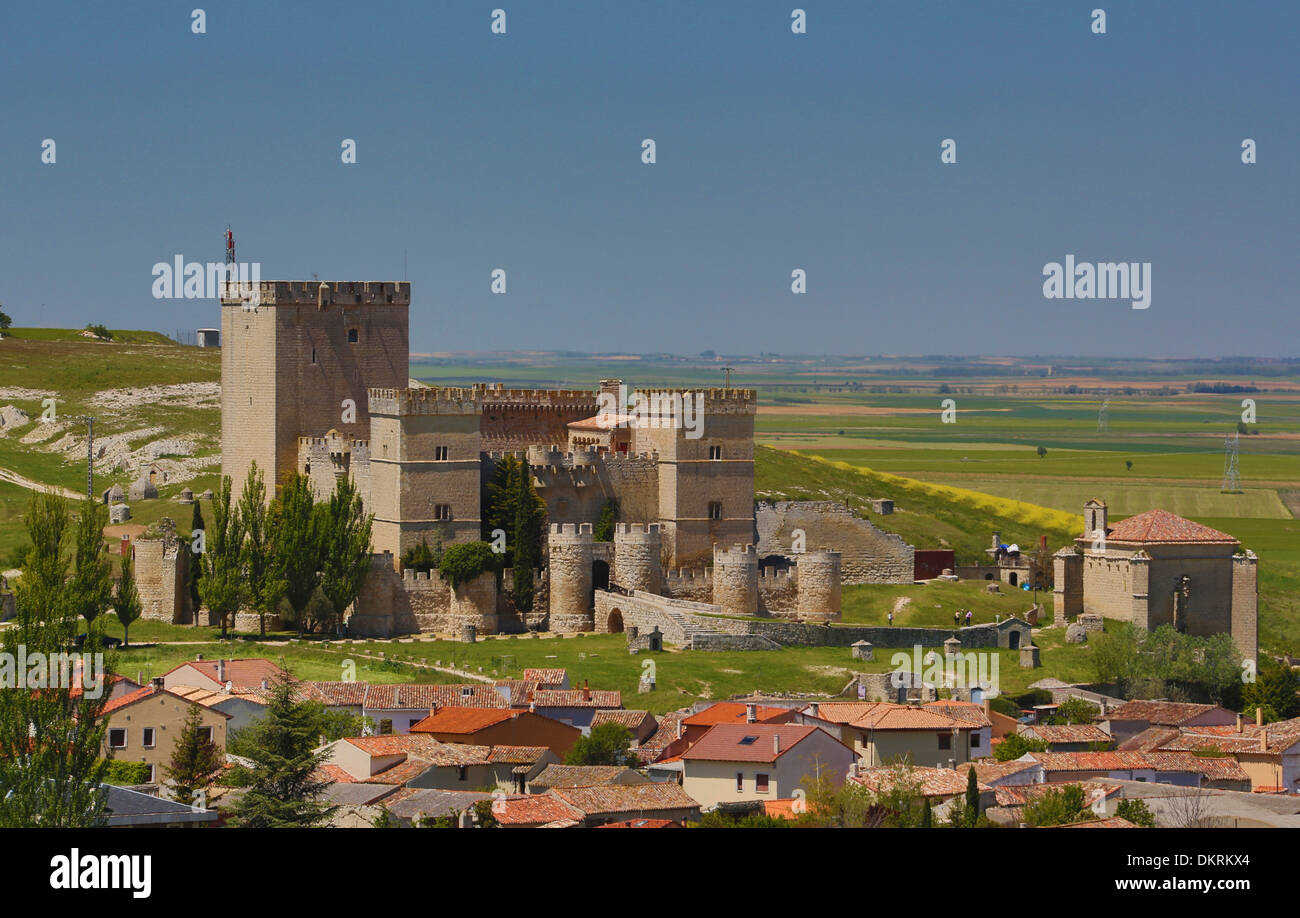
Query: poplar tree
x=345, y=546
x=263, y=583
x=126, y=601
x=222, y=586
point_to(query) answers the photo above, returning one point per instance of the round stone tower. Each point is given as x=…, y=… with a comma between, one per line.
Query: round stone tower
x=735, y=580
x=819, y=586
x=637, y=557
x=569, y=552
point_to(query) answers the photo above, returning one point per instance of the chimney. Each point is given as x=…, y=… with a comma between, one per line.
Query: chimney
x=1263, y=739
x=1239, y=722
x=221, y=670
x=986, y=707
x=532, y=707
x=681, y=727
x=199, y=658
x=265, y=685
x=776, y=743
x=815, y=708
x=1259, y=716
x=157, y=683
x=952, y=764
x=751, y=713
x=586, y=691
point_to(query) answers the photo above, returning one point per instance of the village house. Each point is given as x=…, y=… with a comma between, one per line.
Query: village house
x=641, y=724
x=1067, y=737
x=1133, y=717
x=215, y=675
x=575, y=707
x=558, y=775
x=144, y=726
x=882, y=733
x=754, y=761
x=1268, y=754
x=938, y=785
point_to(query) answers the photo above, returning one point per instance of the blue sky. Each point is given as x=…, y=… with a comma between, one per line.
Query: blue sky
x=775, y=151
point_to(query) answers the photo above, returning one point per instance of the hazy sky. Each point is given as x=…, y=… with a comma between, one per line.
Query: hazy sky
x=775, y=151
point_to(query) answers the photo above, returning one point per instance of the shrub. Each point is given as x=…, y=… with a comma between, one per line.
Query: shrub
x=465, y=562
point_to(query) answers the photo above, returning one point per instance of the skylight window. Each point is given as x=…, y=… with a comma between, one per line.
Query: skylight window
x=749, y=741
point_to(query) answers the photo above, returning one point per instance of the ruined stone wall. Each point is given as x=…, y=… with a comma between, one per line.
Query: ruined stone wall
x=161, y=567
x=1245, y=604
x=869, y=555
x=1067, y=584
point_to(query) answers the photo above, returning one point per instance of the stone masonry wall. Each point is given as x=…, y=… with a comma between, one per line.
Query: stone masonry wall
x=868, y=554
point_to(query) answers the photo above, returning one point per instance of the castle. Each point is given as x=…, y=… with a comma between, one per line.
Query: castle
x=315, y=381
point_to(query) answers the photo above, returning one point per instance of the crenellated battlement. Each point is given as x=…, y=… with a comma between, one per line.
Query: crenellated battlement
x=573, y=531
x=449, y=400
x=499, y=397
x=321, y=294
x=743, y=553
x=633, y=530
x=684, y=576
x=717, y=400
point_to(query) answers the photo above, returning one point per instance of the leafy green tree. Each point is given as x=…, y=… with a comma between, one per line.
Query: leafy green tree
x=1013, y=746
x=1136, y=811
x=1042, y=452
x=421, y=557
x=222, y=583
x=126, y=601
x=264, y=582
x=195, y=761
x=464, y=562
x=1059, y=807
x=91, y=588
x=720, y=819
x=604, y=530
x=898, y=803
x=5, y=321
x=1075, y=711
x=282, y=790
x=345, y=548
x=607, y=744
x=1274, y=689
x=52, y=738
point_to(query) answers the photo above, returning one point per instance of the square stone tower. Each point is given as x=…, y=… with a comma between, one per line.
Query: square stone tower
x=706, y=484
x=425, y=466
x=299, y=362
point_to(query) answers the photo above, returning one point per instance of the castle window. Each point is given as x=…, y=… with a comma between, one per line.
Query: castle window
x=442, y=512
x=440, y=453
x=715, y=510
x=353, y=335
x=715, y=452
x=313, y=355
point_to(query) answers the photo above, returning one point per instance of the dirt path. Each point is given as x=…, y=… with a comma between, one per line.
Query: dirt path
x=29, y=484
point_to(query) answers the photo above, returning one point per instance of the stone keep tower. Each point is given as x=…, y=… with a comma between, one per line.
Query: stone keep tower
x=288, y=364
x=637, y=558
x=706, y=484
x=819, y=586
x=569, y=548
x=425, y=469
x=735, y=580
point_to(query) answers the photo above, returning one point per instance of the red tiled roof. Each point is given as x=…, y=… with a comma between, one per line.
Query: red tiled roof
x=533, y=810
x=666, y=734
x=987, y=771
x=1149, y=739
x=630, y=719
x=517, y=755
x=1162, y=526
x=1160, y=713
x=733, y=712
x=395, y=697
x=556, y=775
x=545, y=677
x=463, y=720
x=140, y=694
x=886, y=716
x=609, y=799
x=339, y=693
x=1020, y=794
x=1069, y=733
x=934, y=782
x=577, y=698
x=242, y=674
x=1114, y=822
x=974, y=714
x=733, y=743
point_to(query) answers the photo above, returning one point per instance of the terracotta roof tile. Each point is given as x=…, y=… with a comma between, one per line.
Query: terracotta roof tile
x=935, y=782
x=577, y=698
x=733, y=712
x=749, y=742
x=1160, y=713
x=1162, y=526
x=612, y=799
x=463, y=720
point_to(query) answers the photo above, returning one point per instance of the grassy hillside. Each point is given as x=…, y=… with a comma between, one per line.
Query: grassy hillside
x=926, y=515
